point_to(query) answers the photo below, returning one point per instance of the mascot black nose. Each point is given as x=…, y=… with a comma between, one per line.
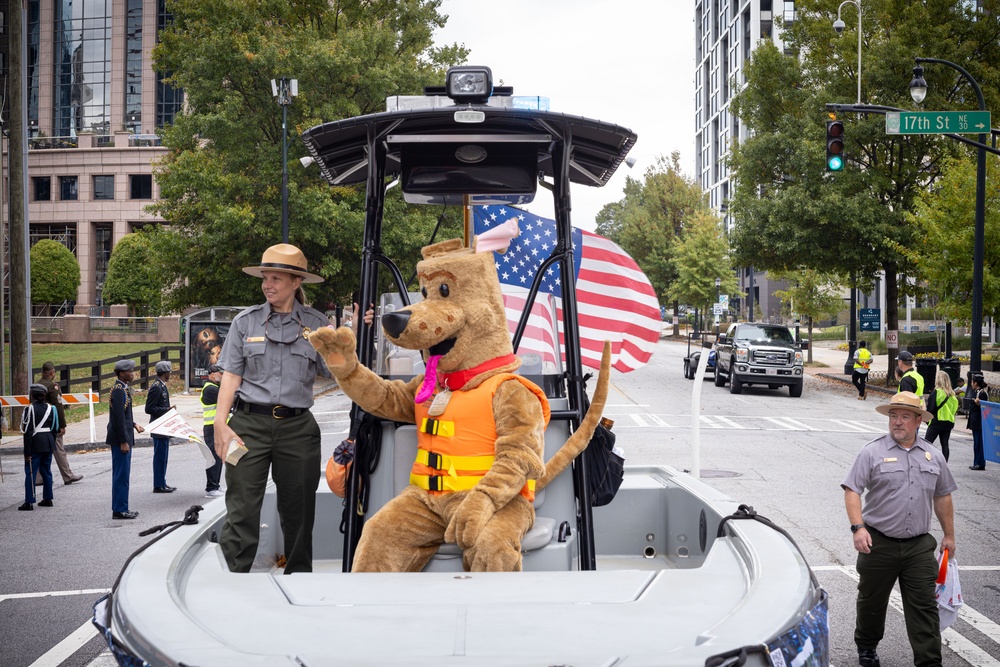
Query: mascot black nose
x=395, y=322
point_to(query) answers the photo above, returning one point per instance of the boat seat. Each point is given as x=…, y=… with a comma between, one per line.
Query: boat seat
x=405, y=452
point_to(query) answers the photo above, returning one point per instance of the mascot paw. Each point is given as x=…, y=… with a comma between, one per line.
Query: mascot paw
x=337, y=347
x=469, y=519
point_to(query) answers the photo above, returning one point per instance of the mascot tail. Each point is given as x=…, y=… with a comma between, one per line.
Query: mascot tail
x=581, y=436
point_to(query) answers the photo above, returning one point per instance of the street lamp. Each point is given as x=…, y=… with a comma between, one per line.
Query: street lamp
x=918, y=91
x=284, y=90
x=839, y=25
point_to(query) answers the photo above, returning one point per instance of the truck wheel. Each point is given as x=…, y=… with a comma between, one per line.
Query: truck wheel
x=720, y=381
x=795, y=390
x=735, y=386
x=687, y=370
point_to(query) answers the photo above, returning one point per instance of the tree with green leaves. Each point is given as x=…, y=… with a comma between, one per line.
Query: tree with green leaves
x=812, y=295
x=790, y=212
x=701, y=255
x=651, y=216
x=55, y=273
x=221, y=180
x=135, y=275
x=945, y=218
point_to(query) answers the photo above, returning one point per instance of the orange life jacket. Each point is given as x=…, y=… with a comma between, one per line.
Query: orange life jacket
x=456, y=448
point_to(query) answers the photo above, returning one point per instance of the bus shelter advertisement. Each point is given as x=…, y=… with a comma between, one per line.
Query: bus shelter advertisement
x=205, y=348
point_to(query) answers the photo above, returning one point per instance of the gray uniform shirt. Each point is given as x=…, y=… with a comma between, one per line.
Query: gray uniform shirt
x=902, y=485
x=267, y=350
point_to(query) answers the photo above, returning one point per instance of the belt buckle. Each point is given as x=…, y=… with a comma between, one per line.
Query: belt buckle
x=274, y=412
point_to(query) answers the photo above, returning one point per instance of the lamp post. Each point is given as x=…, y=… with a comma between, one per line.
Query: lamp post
x=839, y=25
x=284, y=90
x=918, y=91
x=718, y=284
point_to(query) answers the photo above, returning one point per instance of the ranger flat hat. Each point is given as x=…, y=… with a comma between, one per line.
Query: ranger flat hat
x=905, y=400
x=124, y=365
x=163, y=367
x=285, y=258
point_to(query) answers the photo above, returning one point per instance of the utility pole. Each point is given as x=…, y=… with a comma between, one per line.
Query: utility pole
x=20, y=332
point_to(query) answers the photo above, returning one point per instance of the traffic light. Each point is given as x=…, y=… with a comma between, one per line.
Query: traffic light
x=834, y=145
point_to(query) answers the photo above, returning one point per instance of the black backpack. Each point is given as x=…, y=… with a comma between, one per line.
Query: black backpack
x=605, y=469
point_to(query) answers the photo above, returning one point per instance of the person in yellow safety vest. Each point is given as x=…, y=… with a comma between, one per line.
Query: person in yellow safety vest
x=862, y=362
x=943, y=404
x=209, y=397
x=911, y=380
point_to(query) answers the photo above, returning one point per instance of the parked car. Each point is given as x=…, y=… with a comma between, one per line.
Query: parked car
x=752, y=353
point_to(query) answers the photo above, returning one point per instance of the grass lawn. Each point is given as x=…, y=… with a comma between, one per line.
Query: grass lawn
x=75, y=353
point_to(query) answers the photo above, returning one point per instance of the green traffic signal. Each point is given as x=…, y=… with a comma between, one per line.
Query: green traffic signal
x=834, y=145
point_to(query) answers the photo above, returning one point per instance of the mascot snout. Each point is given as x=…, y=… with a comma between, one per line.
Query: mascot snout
x=395, y=322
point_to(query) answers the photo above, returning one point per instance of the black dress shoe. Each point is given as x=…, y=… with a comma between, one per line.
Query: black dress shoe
x=25, y=507
x=977, y=467
x=124, y=515
x=172, y=488
x=45, y=503
x=867, y=657
x=164, y=489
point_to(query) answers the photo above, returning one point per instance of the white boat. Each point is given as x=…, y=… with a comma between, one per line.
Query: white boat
x=671, y=572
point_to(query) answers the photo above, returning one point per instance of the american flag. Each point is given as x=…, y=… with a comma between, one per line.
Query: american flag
x=615, y=300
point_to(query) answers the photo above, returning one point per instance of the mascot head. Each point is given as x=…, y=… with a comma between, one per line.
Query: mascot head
x=461, y=320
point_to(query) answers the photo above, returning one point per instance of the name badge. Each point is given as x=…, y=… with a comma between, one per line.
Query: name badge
x=255, y=339
x=889, y=459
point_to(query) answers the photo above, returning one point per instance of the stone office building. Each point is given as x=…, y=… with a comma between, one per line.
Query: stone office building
x=94, y=109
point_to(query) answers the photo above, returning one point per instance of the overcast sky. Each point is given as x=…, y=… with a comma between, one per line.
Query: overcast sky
x=628, y=62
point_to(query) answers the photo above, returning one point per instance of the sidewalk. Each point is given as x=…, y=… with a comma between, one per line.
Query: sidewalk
x=78, y=438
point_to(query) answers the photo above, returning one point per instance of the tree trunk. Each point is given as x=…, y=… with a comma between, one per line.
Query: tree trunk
x=809, y=328
x=677, y=317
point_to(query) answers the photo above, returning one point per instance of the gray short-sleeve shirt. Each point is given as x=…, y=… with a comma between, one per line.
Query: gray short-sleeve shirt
x=277, y=364
x=901, y=484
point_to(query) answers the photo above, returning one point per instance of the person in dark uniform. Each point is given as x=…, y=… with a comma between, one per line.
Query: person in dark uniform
x=905, y=478
x=270, y=369
x=39, y=424
x=157, y=405
x=54, y=398
x=911, y=380
x=975, y=421
x=121, y=438
x=209, y=399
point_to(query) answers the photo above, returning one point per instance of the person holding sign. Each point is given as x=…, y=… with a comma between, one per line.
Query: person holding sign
x=157, y=405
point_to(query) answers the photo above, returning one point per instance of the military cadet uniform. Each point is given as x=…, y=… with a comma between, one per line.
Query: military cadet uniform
x=902, y=485
x=121, y=429
x=54, y=398
x=271, y=415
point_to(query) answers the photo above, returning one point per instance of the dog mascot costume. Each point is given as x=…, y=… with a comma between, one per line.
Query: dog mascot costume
x=480, y=427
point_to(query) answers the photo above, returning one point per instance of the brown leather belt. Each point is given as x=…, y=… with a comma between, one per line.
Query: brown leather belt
x=273, y=411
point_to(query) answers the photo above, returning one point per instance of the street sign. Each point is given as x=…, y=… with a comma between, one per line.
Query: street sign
x=717, y=309
x=937, y=122
x=892, y=339
x=870, y=318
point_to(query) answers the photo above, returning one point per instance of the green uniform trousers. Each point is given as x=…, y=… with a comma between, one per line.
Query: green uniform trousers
x=912, y=562
x=290, y=448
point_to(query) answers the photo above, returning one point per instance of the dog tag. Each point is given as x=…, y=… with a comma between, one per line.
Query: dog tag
x=440, y=403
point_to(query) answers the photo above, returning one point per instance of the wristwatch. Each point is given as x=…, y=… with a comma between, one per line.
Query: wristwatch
x=855, y=527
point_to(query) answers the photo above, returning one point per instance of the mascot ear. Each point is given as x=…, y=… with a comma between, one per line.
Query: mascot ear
x=442, y=248
x=497, y=239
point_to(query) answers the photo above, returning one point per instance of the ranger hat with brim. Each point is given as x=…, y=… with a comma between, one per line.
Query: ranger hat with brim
x=284, y=258
x=905, y=400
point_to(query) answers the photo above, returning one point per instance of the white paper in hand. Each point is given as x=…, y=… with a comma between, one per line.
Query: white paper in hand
x=235, y=452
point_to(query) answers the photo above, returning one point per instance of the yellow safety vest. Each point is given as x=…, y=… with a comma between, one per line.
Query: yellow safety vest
x=864, y=359
x=918, y=378
x=207, y=409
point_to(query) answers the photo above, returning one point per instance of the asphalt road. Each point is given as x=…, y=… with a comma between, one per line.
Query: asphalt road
x=784, y=456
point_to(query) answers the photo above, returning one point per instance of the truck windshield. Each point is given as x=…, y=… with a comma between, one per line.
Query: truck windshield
x=757, y=332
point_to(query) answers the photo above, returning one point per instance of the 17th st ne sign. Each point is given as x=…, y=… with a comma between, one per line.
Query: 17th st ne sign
x=937, y=122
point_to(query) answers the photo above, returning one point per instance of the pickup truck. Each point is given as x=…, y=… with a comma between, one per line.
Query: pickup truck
x=751, y=353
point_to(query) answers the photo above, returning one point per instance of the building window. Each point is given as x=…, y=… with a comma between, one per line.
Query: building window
x=102, y=246
x=169, y=100
x=68, y=188
x=82, y=67
x=31, y=66
x=104, y=187
x=141, y=186
x=43, y=188
x=65, y=234
x=133, y=66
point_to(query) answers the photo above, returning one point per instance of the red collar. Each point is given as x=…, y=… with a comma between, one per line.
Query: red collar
x=458, y=379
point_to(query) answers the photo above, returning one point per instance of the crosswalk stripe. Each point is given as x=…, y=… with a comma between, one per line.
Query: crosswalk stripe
x=796, y=422
x=67, y=647
x=726, y=420
x=851, y=426
x=638, y=419
x=787, y=427
x=705, y=419
x=657, y=421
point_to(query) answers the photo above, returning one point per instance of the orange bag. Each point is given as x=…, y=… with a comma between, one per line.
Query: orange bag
x=338, y=467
